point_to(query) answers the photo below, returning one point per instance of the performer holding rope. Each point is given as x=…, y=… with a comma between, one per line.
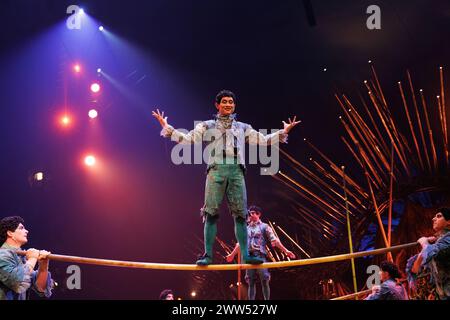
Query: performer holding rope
x=17, y=275
x=225, y=172
x=259, y=235
x=434, y=256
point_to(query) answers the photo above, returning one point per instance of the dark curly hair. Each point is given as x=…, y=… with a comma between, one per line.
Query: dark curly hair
x=163, y=295
x=255, y=208
x=9, y=224
x=225, y=93
x=445, y=212
x=391, y=268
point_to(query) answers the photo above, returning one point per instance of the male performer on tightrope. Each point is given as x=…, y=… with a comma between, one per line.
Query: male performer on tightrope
x=225, y=172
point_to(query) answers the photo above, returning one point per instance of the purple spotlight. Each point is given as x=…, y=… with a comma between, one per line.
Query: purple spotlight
x=95, y=87
x=93, y=114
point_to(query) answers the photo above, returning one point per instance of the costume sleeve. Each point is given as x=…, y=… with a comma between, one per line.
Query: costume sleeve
x=48, y=289
x=14, y=275
x=383, y=294
x=255, y=137
x=433, y=249
x=410, y=276
x=178, y=136
x=270, y=234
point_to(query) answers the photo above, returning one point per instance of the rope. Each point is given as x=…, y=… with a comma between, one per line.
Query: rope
x=193, y=267
x=353, y=295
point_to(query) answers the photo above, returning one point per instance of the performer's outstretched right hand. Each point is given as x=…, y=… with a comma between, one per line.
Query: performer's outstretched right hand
x=160, y=117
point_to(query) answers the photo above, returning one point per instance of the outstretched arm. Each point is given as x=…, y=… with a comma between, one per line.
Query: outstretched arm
x=193, y=136
x=290, y=124
x=277, y=243
x=256, y=137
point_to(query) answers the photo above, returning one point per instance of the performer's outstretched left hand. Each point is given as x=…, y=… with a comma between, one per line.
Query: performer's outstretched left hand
x=291, y=123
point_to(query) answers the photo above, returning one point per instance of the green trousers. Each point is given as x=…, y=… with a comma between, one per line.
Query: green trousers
x=225, y=179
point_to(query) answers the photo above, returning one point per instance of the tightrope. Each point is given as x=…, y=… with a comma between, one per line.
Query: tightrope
x=223, y=267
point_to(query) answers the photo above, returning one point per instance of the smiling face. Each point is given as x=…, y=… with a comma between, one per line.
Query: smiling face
x=19, y=236
x=226, y=106
x=439, y=222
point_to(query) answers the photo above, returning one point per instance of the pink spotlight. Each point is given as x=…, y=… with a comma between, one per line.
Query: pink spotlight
x=77, y=68
x=93, y=114
x=95, y=87
x=65, y=120
x=89, y=161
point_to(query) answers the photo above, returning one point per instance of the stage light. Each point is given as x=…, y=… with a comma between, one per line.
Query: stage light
x=95, y=87
x=39, y=176
x=101, y=28
x=65, y=120
x=99, y=70
x=81, y=11
x=92, y=113
x=77, y=68
x=90, y=160
x=193, y=294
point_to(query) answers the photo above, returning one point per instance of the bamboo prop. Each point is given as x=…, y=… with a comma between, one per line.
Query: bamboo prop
x=315, y=202
x=380, y=137
x=389, y=124
x=294, y=242
x=430, y=131
x=324, y=191
x=375, y=179
x=239, y=287
x=349, y=147
x=276, y=235
x=329, y=176
x=349, y=233
x=391, y=137
x=377, y=211
x=337, y=170
x=391, y=187
x=314, y=179
x=312, y=194
x=364, y=134
x=444, y=114
x=413, y=134
x=221, y=267
x=318, y=229
x=419, y=121
x=400, y=138
x=314, y=226
x=442, y=121
x=319, y=240
x=378, y=84
x=323, y=224
x=353, y=295
x=370, y=136
x=391, y=184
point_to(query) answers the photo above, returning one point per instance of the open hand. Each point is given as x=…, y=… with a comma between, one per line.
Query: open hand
x=291, y=123
x=160, y=117
x=290, y=254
